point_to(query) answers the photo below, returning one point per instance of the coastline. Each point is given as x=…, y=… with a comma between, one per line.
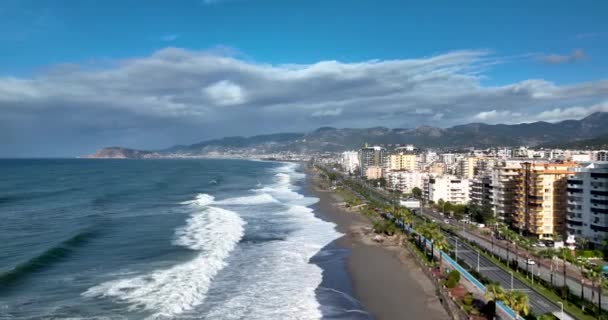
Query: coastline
x=383, y=277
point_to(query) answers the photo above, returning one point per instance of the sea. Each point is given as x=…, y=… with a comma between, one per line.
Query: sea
x=167, y=239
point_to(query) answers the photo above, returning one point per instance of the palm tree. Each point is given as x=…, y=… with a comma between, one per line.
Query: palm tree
x=494, y=292
x=518, y=301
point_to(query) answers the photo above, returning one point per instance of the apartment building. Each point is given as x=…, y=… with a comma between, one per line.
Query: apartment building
x=588, y=203
x=350, y=161
x=405, y=181
x=540, y=198
x=600, y=155
x=467, y=167
x=448, y=188
x=504, y=182
x=371, y=156
x=374, y=172
x=481, y=191
x=402, y=161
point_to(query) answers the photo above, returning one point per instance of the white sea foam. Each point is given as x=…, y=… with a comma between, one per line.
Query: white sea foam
x=169, y=292
x=202, y=200
x=281, y=283
x=260, y=198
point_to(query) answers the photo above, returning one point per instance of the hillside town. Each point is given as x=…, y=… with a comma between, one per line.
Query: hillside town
x=547, y=196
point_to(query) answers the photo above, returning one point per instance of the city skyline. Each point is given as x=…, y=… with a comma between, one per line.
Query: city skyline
x=87, y=75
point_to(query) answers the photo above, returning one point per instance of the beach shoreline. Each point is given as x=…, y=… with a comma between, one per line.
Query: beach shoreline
x=384, y=277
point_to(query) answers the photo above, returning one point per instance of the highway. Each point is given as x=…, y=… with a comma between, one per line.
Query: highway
x=538, y=304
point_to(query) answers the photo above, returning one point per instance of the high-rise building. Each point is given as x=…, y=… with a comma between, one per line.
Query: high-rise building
x=467, y=167
x=350, y=161
x=504, y=182
x=540, y=199
x=481, y=191
x=588, y=203
x=371, y=156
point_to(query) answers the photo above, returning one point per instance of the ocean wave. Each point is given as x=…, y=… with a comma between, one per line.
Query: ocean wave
x=261, y=198
x=281, y=283
x=212, y=231
x=47, y=258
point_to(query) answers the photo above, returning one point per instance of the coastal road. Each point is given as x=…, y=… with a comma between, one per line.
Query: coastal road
x=538, y=304
x=551, y=274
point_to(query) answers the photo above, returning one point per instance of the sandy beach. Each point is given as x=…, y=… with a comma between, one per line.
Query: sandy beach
x=384, y=277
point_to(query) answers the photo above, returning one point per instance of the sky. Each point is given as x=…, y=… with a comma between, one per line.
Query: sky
x=79, y=75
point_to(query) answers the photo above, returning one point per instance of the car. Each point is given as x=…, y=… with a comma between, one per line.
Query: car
x=446, y=221
x=530, y=261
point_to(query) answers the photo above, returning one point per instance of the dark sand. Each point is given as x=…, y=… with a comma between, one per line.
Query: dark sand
x=384, y=277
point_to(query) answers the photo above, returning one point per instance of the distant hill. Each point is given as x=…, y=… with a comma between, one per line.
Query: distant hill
x=590, y=130
x=121, y=153
x=600, y=142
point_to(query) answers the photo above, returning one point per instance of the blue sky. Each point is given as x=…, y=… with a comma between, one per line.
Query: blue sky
x=37, y=34
x=558, y=47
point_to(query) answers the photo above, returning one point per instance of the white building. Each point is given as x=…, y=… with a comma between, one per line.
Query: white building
x=448, y=158
x=405, y=181
x=448, y=188
x=588, y=203
x=350, y=161
x=600, y=155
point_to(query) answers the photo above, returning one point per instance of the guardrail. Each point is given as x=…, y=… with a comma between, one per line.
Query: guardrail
x=408, y=229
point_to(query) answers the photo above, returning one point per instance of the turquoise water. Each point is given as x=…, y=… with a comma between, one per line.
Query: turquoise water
x=162, y=239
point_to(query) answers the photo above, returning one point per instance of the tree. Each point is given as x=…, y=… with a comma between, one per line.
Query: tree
x=417, y=193
x=494, y=292
x=518, y=301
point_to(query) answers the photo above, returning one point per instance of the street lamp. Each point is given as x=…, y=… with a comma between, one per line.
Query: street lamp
x=511, y=272
x=477, y=261
x=562, y=306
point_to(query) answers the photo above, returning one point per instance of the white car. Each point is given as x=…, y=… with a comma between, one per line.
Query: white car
x=530, y=262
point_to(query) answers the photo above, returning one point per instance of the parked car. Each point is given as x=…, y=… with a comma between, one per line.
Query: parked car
x=530, y=261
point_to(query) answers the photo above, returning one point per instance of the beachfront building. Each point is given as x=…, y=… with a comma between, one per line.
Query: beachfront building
x=374, y=172
x=402, y=161
x=447, y=188
x=540, y=198
x=588, y=203
x=350, y=161
x=371, y=157
x=504, y=182
x=405, y=181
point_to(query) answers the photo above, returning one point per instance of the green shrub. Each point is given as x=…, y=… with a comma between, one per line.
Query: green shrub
x=453, y=279
x=468, y=299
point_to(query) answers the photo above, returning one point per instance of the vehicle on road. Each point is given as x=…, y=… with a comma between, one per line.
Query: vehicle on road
x=530, y=261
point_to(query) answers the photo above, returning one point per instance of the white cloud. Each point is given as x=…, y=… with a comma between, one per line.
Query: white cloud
x=327, y=112
x=574, y=56
x=494, y=116
x=225, y=93
x=181, y=96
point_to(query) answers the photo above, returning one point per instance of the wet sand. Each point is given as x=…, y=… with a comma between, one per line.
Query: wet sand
x=384, y=277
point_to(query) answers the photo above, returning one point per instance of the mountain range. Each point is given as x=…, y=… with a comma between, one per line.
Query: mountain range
x=591, y=131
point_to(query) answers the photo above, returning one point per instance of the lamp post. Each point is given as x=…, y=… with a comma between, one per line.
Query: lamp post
x=511, y=272
x=478, y=261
